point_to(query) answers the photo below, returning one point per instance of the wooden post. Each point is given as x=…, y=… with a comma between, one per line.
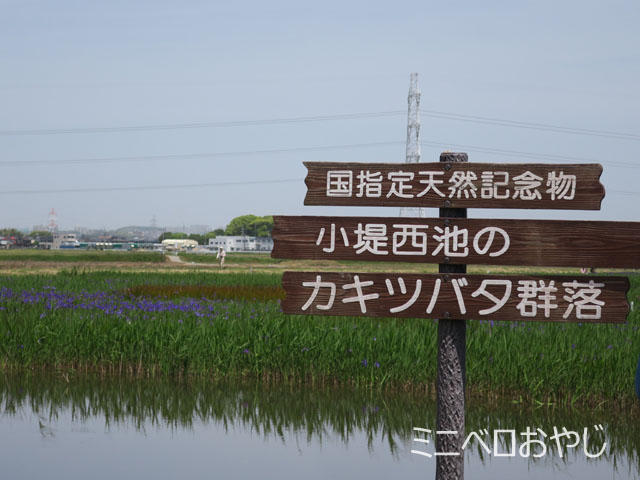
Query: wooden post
x=452, y=345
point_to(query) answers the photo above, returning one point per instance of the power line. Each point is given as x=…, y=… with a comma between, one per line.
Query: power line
x=238, y=123
x=529, y=125
x=196, y=155
x=193, y=185
x=536, y=156
x=149, y=187
x=318, y=118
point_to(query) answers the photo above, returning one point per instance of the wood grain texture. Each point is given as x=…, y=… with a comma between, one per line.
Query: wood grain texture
x=589, y=192
x=613, y=294
x=451, y=368
x=450, y=412
x=552, y=243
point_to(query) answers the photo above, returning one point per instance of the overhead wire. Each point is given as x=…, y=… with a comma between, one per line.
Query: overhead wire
x=192, y=185
x=146, y=187
x=536, y=156
x=233, y=123
x=529, y=125
x=429, y=113
x=246, y=153
x=196, y=155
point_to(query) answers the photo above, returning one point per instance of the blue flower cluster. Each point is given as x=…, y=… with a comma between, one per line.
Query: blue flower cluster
x=111, y=303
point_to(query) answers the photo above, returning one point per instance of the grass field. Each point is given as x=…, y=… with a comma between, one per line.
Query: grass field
x=258, y=260
x=230, y=325
x=86, y=256
x=233, y=258
x=49, y=262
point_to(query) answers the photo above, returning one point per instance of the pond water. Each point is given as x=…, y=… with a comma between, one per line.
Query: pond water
x=54, y=426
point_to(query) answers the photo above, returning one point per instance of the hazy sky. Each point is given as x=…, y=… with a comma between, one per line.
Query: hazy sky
x=72, y=65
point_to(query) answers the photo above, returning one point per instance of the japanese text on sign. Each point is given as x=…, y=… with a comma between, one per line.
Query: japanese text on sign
x=459, y=241
x=413, y=239
x=457, y=184
x=581, y=297
x=549, y=298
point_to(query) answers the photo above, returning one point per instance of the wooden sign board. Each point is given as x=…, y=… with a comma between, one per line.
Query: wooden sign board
x=455, y=185
x=551, y=243
x=458, y=296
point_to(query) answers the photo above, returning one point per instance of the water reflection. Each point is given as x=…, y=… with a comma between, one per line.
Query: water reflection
x=382, y=424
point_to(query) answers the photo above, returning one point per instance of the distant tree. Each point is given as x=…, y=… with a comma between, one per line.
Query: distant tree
x=197, y=237
x=262, y=226
x=250, y=225
x=240, y=225
x=171, y=236
x=11, y=232
x=217, y=232
x=212, y=234
x=41, y=236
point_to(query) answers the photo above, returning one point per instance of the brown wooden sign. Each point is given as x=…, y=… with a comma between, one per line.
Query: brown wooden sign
x=552, y=243
x=455, y=185
x=453, y=241
x=458, y=296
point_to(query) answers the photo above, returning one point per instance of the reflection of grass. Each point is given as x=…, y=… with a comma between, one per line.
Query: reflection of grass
x=288, y=412
x=205, y=323
x=79, y=256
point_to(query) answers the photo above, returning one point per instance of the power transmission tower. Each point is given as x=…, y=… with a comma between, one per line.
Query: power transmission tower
x=53, y=226
x=413, y=138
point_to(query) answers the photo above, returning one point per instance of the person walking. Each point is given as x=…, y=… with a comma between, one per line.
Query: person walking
x=221, y=256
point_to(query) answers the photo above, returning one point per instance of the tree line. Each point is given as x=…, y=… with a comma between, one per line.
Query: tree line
x=249, y=225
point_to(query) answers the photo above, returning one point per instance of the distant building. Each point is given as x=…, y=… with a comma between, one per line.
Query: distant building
x=241, y=243
x=179, y=244
x=7, y=242
x=65, y=240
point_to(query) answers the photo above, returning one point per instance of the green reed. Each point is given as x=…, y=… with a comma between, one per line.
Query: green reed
x=210, y=332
